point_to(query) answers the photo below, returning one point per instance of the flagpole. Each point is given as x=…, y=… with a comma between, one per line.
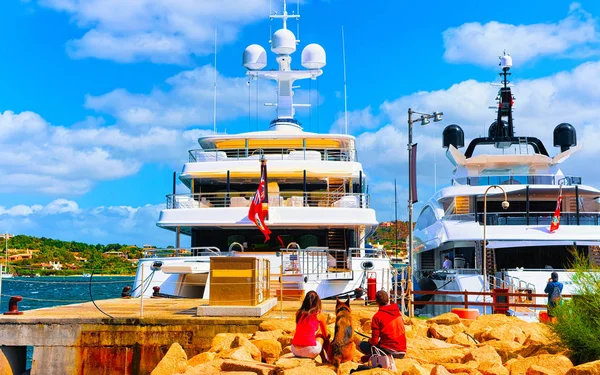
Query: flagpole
x=263, y=166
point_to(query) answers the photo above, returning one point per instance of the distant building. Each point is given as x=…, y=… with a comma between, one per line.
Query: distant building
x=386, y=224
x=119, y=254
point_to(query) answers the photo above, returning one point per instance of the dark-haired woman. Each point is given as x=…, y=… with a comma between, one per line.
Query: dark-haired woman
x=311, y=328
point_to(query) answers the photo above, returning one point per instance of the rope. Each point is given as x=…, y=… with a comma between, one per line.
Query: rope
x=92, y=298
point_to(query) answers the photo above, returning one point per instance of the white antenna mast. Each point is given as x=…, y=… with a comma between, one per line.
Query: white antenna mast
x=345, y=92
x=215, y=88
x=434, y=172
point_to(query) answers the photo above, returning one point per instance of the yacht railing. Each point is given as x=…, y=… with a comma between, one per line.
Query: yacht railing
x=530, y=218
x=183, y=252
x=323, y=154
x=280, y=199
x=517, y=180
x=315, y=260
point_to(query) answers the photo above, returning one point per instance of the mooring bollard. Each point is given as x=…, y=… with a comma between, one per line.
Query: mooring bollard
x=156, y=293
x=13, y=309
x=126, y=292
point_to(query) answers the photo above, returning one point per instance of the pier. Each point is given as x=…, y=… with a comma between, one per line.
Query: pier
x=80, y=339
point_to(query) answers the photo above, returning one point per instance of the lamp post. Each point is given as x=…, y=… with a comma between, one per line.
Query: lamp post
x=424, y=119
x=505, y=205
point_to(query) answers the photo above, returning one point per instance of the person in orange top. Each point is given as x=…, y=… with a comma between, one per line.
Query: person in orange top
x=311, y=337
x=387, y=329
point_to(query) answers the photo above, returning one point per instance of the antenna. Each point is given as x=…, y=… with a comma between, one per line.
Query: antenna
x=215, y=88
x=298, y=23
x=434, y=172
x=345, y=90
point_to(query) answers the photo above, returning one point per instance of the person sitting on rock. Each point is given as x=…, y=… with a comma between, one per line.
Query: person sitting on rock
x=387, y=329
x=311, y=337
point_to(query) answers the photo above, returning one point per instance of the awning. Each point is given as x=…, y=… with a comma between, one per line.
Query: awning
x=507, y=244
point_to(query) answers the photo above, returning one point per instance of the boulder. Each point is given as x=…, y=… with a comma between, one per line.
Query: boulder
x=321, y=370
x=366, y=326
x=441, y=332
x=490, y=368
x=467, y=367
x=404, y=364
x=346, y=367
x=256, y=367
x=483, y=354
x=285, y=340
x=462, y=339
x=270, y=349
x=590, y=368
x=505, y=332
x=289, y=361
x=286, y=350
x=556, y=364
x=439, y=370
x=412, y=331
x=174, y=362
x=222, y=341
x=538, y=370
x=447, y=319
x=485, y=323
x=428, y=343
x=241, y=349
x=264, y=335
x=506, y=349
x=287, y=326
x=415, y=370
x=362, y=316
x=437, y=356
x=211, y=367
x=201, y=358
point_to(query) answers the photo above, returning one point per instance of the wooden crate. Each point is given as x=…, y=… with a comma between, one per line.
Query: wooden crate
x=238, y=281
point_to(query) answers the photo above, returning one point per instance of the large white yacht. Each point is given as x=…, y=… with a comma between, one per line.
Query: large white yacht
x=521, y=249
x=318, y=208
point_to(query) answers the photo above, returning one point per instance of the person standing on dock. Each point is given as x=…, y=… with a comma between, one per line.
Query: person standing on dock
x=554, y=290
x=447, y=263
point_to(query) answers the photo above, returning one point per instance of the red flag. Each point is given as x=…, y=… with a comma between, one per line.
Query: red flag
x=259, y=207
x=556, y=217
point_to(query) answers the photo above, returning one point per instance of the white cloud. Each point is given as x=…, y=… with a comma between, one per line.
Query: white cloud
x=541, y=104
x=189, y=101
x=64, y=219
x=162, y=31
x=358, y=119
x=574, y=36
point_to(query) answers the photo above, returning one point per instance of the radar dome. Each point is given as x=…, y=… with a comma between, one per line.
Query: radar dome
x=506, y=61
x=565, y=136
x=255, y=57
x=313, y=56
x=283, y=42
x=453, y=135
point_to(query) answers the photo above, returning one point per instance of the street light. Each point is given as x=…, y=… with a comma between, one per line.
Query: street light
x=505, y=206
x=424, y=119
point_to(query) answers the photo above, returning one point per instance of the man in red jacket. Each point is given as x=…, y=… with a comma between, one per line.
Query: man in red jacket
x=387, y=329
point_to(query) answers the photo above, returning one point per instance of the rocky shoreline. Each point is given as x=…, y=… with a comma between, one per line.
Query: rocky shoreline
x=444, y=345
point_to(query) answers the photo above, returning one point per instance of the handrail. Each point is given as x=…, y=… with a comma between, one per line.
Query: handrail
x=273, y=153
x=322, y=199
x=537, y=179
x=182, y=252
x=534, y=217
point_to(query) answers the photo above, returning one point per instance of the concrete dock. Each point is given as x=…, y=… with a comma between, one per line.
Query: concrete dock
x=79, y=339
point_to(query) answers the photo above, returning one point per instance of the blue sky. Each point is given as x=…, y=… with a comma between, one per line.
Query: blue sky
x=101, y=99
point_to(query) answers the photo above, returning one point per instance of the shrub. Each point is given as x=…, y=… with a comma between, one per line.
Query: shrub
x=578, y=319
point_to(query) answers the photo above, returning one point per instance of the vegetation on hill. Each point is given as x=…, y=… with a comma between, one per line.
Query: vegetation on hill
x=75, y=257
x=386, y=235
x=578, y=319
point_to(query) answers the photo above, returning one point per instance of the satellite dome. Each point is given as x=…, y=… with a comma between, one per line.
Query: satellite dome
x=565, y=136
x=453, y=135
x=313, y=56
x=283, y=42
x=255, y=57
x=506, y=61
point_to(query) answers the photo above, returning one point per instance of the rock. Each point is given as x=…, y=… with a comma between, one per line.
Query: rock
x=201, y=358
x=362, y=316
x=538, y=370
x=404, y=364
x=447, y=319
x=439, y=370
x=285, y=340
x=437, y=356
x=242, y=350
x=490, y=368
x=505, y=332
x=485, y=323
x=483, y=354
x=590, y=368
x=413, y=331
x=321, y=370
x=287, y=326
x=467, y=367
x=270, y=349
x=212, y=367
x=415, y=370
x=257, y=368
x=346, y=367
x=506, y=349
x=366, y=326
x=442, y=332
x=174, y=362
x=222, y=341
x=264, y=335
x=461, y=339
x=286, y=350
x=289, y=361
x=556, y=364
x=428, y=343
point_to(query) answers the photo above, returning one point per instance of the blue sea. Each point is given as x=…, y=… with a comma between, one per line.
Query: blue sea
x=51, y=291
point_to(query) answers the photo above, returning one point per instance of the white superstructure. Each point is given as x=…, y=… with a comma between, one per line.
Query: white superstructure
x=521, y=250
x=319, y=211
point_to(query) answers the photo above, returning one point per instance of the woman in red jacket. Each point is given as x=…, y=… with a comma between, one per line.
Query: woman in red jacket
x=387, y=329
x=311, y=328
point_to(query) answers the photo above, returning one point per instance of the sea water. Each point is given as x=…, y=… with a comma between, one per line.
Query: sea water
x=38, y=292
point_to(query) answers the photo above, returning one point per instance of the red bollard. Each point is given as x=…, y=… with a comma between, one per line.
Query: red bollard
x=13, y=309
x=126, y=292
x=156, y=293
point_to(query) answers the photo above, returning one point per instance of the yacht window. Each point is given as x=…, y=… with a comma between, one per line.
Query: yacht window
x=426, y=218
